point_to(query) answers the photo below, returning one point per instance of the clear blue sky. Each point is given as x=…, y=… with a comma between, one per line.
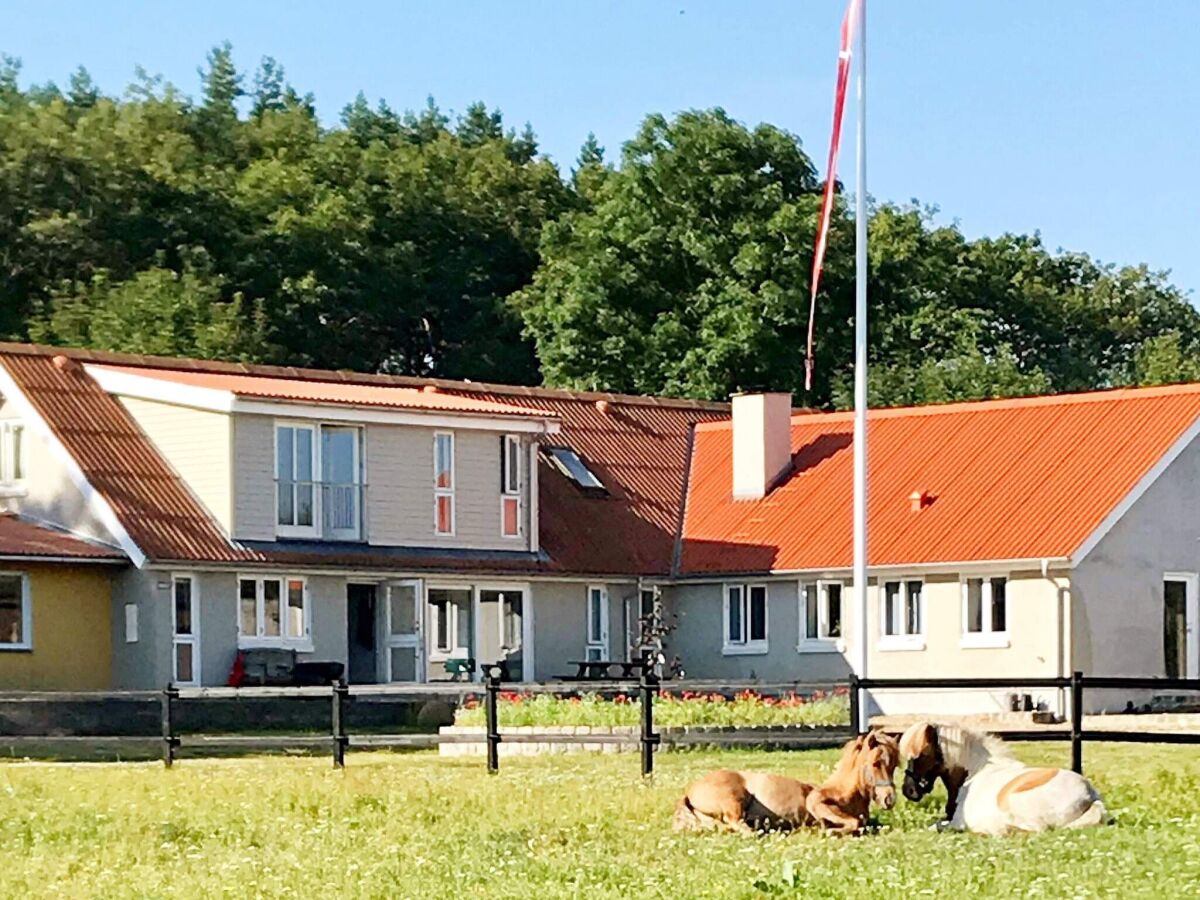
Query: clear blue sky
x=1078, y=118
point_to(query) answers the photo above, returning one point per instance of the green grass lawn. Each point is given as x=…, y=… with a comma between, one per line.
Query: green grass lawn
x=567, y=826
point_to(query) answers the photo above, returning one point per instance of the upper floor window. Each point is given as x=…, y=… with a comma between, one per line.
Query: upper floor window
x=570, y=464
x=443, y=482
x=295, y=462
x=12, y=452
x=510, y=486
x=985, y=612
x=15, y=614
x=272, y=611
x=902, y=615
x=820, y=614
x=328, y=505
x=745, y=618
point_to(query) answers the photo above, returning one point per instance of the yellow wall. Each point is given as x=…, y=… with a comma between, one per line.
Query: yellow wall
x=72, y=630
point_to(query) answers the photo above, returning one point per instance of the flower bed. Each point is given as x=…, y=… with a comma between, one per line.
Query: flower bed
x=747, y=709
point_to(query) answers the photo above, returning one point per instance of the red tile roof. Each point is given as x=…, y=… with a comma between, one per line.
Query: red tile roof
x=637, y=445
x=336, y=393
x=20, y=538
x=1008, y=479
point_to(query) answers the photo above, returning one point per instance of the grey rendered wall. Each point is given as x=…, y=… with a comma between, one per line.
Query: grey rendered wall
x=146, y=663
x=49, y=494
x=1117, y=589
x=560, y=625
x=698, y=637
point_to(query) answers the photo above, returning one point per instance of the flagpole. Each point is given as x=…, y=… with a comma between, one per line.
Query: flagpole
x=860, y=363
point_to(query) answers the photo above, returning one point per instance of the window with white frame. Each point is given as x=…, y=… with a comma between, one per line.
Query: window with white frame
x=295, y=463
x=510, y=486
x=450, y=621
x=12, y=452
x=443, y=482
x=597, y=623
x=745, y=618
x=902, y=613
x=821, y=612
x=272, y=611
x=185, y=630
x=15, y=612
x=984, y=611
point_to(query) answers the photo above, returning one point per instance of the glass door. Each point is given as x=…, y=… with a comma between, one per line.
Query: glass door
x=185, y=629
x=404, y=652
x=1181, y=647
x=341, y=504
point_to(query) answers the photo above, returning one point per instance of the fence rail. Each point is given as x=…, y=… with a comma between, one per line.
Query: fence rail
x=1076, y=684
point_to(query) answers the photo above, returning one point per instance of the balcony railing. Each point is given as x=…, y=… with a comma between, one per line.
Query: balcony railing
x=327, y=510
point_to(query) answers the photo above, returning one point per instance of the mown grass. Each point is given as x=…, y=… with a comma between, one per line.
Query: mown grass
x=565, y=826
x=746, y=709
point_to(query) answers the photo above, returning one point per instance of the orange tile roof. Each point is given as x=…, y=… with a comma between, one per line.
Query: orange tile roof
x=22, y=539
x=1009, y=479
x=300, y=390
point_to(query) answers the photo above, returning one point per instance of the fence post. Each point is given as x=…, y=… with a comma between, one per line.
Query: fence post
x=169, y=741
x=337, y=722
x=1077, y=722
x=855, y=710
x=492, y=689
x=649, y=740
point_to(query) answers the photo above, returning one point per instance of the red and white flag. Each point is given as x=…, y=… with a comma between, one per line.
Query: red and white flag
x=839, y=103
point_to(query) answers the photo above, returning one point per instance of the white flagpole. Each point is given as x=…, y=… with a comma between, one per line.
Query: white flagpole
x=860, y=364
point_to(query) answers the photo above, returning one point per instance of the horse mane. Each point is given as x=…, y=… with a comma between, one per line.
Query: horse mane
x=963, y=748
x=849, y=758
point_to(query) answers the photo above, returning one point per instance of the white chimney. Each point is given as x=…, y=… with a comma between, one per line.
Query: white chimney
x=762, y=442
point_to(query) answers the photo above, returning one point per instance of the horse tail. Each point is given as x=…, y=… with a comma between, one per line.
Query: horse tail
x=685, y=816
x=1093, y=815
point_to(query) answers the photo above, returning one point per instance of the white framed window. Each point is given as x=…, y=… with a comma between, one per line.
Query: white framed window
x=510, y=486
x=443, y=482
x=12, y=452
x=273, y=611
x=185, y=630
x=295, y=481
x=16, y=612
x=597, y=623
x=449, y=618
x=745, y=619
x=902, y=614
x=985, y=612
x=821, y=610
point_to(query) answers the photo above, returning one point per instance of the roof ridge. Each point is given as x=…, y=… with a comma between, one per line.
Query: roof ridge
x=191, y=364
x=1074, y=398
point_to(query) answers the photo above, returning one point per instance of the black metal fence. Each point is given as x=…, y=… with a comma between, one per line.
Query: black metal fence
x=1076, y=685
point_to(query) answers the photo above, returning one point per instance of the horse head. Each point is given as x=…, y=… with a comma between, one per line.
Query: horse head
x=925, y=762
x=879, y=754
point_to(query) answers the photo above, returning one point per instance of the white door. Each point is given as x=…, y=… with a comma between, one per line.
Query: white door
x=404, y=650
x=185, y=631
x=1181, y=628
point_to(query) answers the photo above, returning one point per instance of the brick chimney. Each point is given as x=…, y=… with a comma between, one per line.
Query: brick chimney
x=762, y=442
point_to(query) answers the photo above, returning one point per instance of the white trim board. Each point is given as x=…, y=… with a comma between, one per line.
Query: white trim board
x=145, y=387
x=1135, y=494
x=94, y=500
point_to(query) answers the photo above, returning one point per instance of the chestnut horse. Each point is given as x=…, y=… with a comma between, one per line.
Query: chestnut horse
x=751, y=801
x=989, y=791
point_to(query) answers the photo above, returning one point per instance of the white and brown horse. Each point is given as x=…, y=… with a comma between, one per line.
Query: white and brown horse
x=751, y=801
x=989, y=791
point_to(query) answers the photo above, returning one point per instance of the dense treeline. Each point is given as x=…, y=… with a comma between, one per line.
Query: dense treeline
x=237, y=226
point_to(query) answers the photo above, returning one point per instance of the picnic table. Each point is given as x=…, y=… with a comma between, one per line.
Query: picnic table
x=601, y=670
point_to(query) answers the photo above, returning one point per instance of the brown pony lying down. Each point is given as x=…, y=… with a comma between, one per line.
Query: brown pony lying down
x=753, y=801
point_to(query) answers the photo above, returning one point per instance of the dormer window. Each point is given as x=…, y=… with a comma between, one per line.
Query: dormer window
x=12, y=452
x=443, y=483
x=570, y=464
x=328, y=506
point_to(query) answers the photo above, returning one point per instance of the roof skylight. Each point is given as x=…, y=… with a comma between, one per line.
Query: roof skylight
x=569, y=463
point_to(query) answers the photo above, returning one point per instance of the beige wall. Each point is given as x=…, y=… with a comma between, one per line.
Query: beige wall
x=254, y=478
x=197, y=444
x=400, y=489
x=48, y=494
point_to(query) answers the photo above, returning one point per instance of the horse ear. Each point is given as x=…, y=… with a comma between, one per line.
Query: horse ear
x=872, y=740
x=931, y=735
